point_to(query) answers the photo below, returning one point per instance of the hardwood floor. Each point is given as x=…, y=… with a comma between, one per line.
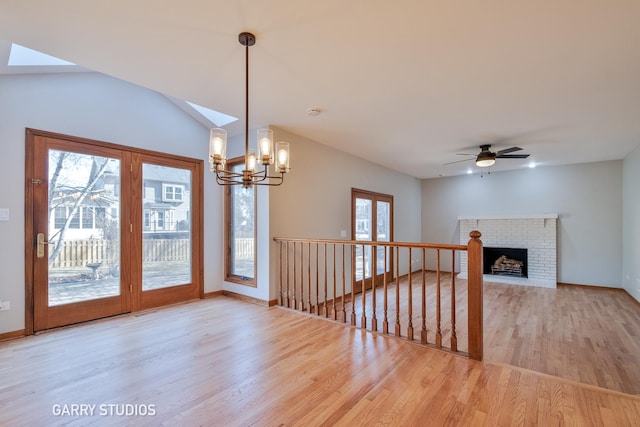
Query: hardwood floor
x=223, y=362
x=581, y=333
x=586, y=334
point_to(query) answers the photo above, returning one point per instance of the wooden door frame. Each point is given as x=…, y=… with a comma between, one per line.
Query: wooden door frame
x=30, y=233
x=374, y=197
x=159, y=297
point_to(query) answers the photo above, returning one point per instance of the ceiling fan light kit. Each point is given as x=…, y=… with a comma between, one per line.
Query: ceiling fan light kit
x=486, y=158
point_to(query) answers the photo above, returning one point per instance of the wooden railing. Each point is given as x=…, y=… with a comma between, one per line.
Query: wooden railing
x=325, y=277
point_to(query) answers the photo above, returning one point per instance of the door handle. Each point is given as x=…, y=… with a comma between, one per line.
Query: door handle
x=40, y=245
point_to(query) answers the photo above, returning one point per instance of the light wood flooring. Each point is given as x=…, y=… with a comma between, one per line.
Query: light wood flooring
x=586, y=334
x=581, y=333
x=224, y=362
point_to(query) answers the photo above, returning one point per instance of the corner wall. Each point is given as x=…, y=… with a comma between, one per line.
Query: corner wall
x=93, y=106
x=587, y=197
x=631, y=224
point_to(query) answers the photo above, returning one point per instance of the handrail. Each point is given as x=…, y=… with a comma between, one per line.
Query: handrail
x=443, y=246
x=325, y=276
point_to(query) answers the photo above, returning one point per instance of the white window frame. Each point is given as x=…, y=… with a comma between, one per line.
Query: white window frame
x=172, y=187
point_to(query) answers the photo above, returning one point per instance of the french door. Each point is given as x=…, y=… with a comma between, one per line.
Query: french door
x=372, y=221
x=110, y=230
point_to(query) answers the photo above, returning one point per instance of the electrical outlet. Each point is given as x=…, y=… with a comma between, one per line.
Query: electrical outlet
x=5, y=305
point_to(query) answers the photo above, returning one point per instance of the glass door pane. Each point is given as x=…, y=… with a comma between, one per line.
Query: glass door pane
x=166, y=226
x=383, y=234
x=363, y=220
x=83, y=227
x=242, y=230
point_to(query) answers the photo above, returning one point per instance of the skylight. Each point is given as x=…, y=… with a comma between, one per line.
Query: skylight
x=220, y=119
x=23, y=56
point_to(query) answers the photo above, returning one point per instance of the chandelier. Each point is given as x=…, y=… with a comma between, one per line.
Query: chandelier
x=256, y=167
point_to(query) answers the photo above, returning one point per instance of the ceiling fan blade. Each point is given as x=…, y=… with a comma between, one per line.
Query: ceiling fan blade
x=512, y=156
x=457, y=161
x=465, y=154
x=508, y=150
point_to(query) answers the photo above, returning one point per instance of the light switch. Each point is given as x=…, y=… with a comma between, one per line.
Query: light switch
x=4, y=214
x=343, y=234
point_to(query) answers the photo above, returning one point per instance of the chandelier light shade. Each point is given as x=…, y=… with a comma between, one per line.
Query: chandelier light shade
x=257, y=164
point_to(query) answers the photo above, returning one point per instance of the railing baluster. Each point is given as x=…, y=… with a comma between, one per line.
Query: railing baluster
x=423, y=332
x=353, y=284
x=438, y=331
x=454, y=339
x=301, y=276
x=385, y=321
x=282, y=300
x=309, y=306
x=317, y=279
x=288, y=302
x=295, y=279
x=326, y=295
x=335, y=295
x=374, y=320
x=363, y=318
x=410, y=302
x=398, y=293
x=344, y=312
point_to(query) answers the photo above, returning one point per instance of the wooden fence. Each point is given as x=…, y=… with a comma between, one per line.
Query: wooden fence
x=79, y=253
x=244, y=249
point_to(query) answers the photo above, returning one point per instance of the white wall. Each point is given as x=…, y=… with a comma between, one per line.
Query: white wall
x=587, y=198
x=315, y=199
x=90, y=105
x=631, y=221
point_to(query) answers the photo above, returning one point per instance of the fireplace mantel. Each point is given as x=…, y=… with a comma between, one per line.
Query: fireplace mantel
x=525, y=216
x=534, y=232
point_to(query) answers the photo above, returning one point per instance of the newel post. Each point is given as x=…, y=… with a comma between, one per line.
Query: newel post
x=474, y=269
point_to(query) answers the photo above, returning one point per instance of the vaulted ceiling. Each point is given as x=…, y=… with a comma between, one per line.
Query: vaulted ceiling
x=405, y=84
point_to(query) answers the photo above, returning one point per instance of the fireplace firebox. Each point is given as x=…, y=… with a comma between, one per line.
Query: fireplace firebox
x=505, y=261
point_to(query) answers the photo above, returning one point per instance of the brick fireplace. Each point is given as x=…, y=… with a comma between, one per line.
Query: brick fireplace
x=535, y=233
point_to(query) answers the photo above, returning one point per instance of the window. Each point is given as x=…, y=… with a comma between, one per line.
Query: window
x=75, y=221
x=60, y=216
x=168, y=218
x=240, y=214
x=87, y=217
x=146, y=219
x=160, y=220
x=172, y=193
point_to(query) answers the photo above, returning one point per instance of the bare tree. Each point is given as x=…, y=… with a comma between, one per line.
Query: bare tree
x=80, y=194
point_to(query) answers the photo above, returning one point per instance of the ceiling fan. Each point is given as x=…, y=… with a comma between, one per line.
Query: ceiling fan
x=487, y=157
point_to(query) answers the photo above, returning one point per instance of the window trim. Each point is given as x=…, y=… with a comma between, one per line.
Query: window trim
x=234, y=278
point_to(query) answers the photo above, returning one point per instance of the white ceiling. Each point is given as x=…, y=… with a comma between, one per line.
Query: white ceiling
x=405, y=84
